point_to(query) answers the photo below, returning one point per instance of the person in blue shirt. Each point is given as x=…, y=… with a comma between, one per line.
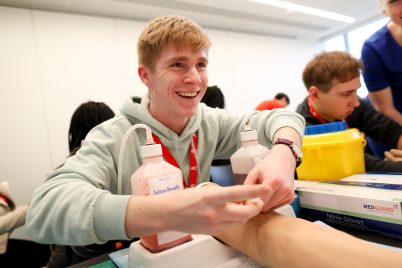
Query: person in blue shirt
x=381, y=57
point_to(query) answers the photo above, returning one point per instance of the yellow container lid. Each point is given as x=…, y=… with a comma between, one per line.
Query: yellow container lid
x=333, y=138
x=332, y=156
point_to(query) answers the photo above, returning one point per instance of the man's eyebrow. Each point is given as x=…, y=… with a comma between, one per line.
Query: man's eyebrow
x=350, y=91
x=182, y=58
x=204, y=59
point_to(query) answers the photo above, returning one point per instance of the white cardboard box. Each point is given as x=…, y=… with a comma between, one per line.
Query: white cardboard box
x=202, y=251
x=365, y=201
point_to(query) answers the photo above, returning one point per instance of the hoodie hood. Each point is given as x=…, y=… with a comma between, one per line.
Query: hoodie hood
x=139, y=113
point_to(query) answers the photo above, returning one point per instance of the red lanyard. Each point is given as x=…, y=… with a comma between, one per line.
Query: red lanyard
x=316, y=115
x=193, y=160
x=314, y=112
x=2, y=198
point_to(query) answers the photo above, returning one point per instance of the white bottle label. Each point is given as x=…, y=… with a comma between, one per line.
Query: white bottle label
x=163, y=185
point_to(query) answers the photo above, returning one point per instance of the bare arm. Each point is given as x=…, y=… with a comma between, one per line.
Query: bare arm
x=383, y=102
x=274, y=240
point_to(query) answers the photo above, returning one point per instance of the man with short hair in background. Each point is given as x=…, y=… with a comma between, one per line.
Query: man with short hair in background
x=332, y=80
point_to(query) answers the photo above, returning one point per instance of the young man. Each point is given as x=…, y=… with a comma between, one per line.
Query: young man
x=80, y=203
x=281, y=100
x=332, y=80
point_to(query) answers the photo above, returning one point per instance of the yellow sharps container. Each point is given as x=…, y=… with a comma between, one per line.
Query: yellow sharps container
x=332, y=156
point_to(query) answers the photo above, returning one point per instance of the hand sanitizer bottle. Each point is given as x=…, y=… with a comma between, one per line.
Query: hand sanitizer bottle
x=155, y=177
x=248, y=155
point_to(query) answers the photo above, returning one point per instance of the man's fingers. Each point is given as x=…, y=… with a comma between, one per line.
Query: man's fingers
x=275, y=202
x=396, y=152
x=281, y=204
x=278, y=199
x=389, y=156
x=251, y=178
x=238, y=193
x=239, y=213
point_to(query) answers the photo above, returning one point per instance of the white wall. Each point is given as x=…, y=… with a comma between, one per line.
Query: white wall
x=251, y=68
x=52, y=62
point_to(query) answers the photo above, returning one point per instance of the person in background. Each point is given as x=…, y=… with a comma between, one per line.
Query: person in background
x=137, y=99
x=381, y=57
x=85, y=117
x=214, y=98
x=221, y=170
x=11, y=216
x=281, y=100
x=83, y=202
x=332, y=80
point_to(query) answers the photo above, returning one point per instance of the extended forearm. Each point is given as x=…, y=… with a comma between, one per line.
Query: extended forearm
x=142, y=217
x=278, y=241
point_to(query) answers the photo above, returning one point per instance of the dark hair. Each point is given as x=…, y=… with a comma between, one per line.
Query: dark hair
x=136, y=99
x=214, y=98
x=85, y=117
x=282, y=95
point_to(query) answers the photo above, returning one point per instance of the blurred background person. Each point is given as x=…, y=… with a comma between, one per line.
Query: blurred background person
x=84, y=118
x=214, y=97
x=221, y=170
x=281, y=100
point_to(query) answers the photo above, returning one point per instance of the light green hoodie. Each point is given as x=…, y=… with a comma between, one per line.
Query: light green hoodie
x=79, y=203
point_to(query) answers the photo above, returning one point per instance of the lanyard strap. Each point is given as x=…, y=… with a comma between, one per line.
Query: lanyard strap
x=314, y=112
x=4, y=200
x=193, y=160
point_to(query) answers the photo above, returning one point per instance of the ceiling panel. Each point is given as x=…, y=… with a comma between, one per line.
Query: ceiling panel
x=233, y=15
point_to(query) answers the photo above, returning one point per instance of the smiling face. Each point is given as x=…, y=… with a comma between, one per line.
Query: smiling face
x=176, y=85
x=339, y=102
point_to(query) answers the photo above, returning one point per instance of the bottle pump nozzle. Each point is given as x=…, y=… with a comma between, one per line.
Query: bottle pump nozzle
x=154, y=150
x=248, y=133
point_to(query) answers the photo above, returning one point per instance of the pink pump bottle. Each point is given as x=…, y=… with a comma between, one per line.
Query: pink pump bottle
x=248, y=155
x=154, y=177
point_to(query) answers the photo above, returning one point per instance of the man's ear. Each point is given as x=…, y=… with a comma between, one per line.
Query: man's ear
x=143, y=73
x=313, y=92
